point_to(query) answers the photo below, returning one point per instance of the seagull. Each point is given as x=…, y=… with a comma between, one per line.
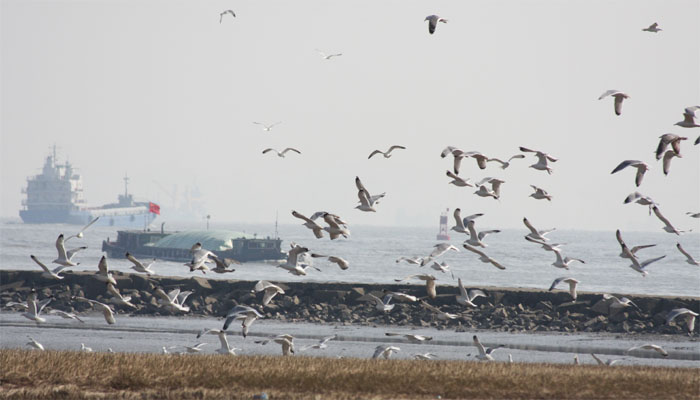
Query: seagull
x=322, y=344
x=387, y=153
x=618, y=95
x=286, y=340
x=103, y=273
x=267, y=127
x=33, y=308
x=424, y=356
x=485, y=192
x=139, y=266
x=457, y=181
x=572, y=285
x=429, y=283
x=543, y=160
x=117, y=298
x=666, y=139
x=225, y=347
x=626, y=252
x=668, y=156
x=380, y=304
x=222, y=265
x=364, y=201
x=328, y=56
x=47, y=272
x=221, y=15
x=540, y=194
x=535, y=234
x=200, y=257
x=35, y=344
x=641, y=166
x=576, y=359
x=689, y=119
x=418, y=339
x=467, y=298
x=194, y=349
x=283, y=152
x=495, y=185
x=622, y=302
x=309, y=223
x=66, y=315
x=474, y=237
x=85, y=348
x=690, y=317
x=442, y=267
x=484, y=353
x=506, y=164
x=439, y=250
x=174, y=300
x=245, y=313
x=693, y=214
x=342, y=263
x=79, y=235
x=410, y=260
x=689, y=259
x=654, y=347
x=64, y=258
x=400, y=296
x=483, y=257
x=640, y=199
x=546, y=246
x=292, y=265
x=433, y=21
x=334, y=227
x=564, y=262
x=106, y=310
x=667, y=225
x=653, y=28
x=459, y=154
x=371, y=200
x=441, y=315
x=385, y=351
x=609, y=362
x=460, y=223
x=270, y=289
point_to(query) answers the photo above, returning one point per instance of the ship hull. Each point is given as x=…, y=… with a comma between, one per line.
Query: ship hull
x=108, y=217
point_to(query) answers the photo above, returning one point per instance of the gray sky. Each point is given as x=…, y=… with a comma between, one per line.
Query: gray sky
x=161, y=90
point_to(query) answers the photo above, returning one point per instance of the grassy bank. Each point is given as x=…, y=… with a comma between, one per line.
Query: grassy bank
x=60, y=374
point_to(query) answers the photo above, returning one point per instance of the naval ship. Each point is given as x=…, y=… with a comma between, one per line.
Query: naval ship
x=56, y=196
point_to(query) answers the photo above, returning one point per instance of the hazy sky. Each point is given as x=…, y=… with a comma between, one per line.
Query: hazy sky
x=160, y=90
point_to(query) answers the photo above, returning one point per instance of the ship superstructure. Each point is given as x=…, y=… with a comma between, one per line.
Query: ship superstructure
x=56, y=196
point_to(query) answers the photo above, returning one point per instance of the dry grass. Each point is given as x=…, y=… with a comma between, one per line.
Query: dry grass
x=73, y=375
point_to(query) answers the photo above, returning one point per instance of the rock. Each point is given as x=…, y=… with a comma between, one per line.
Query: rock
x=544, y=305
x=601, y=307
x=201, y=282
x=11, y=286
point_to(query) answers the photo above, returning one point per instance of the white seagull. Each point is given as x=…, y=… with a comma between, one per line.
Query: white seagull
x=543, y=160
x=385, y=351
x=640, y=199
x=626, y=251
x=484, y=353
x=200, y=257
x=418, y=339
x=618, y=95
x=689, y=259
x=336, y=227
x=475, y=239
x=424, y=356
x=429, y=283
x=483, y=257
x=506, y=164
x=65, y=257
x=495, y=186
x=608, y=363
x=283, y=152
x=641, y=166
x=271, y=290
x=221, y=14
x=380, y=304
x=652, y=28
x=286, y=340
x=667, y=224
x=572, y=285
x=79, y=235
x=266, y=127
x=371, y=200
x=410, y=260
x=654, y=347
x=439, y=250
x=84, y=348
x=546, y=246
x=225, y=347
x=117, y=298
x=689, y=118
x=400, y=296
x=668, y=156
x=174, y=300
x=690, y=317
x=322, y=344
x=47, y=272
x=245, y=313
x=467, y=298
x=103, y=273
x=66, y=315
x=564, y=262
x=328, y=56
x=309, y=223
x=535, y=234
x=33, y=308
x=292, y=264
x=442, y=267
x=35, y=344
x=441, y=315
x=540, y=194
x=342, y=263
x=622, y=302
x=139, y=266
x=387, y=153
x=433, y=21
x=106, y=310
x=458, y=181
x=665, y=140
x=485, y=192
x=460, y=223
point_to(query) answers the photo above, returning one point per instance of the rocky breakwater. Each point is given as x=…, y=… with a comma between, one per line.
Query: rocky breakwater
x=518, y=310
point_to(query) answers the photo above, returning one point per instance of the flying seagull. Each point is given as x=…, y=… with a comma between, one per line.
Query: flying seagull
x=641, y=166
x=322, y=344
x=690, y=317
x=270, y=289
x=47, y=272
x=106, y=310
x=174, y=300
x=483, y=257
x=543, y=160
x=572, y=285
x=65, y=257
x=371, y=199
x=484, y=353
x=418, y=339
x=221, y=15
x=535, y=234
x=35, y=344
x=564, y=262
x=79, y=235
x=667, y=224
x=342, y=263
x=267, y=127
x=654, y=347
x=245, y=313
x=467, y=298
x=139, y=266
x=668, y=156
x=618, y=95
x=432, y=22
x=225, y=347
x=429, y=283
x=311, y=224
x=385, y=351
x=689, y=119
x=608, y=363
x=387, y=153
x=689, y=259
x=665, y=140
x=283, y=152
x=380, y=304
x=640, y=199
x=652, y=28
x=506, y=164
x=540, y=194
x=625, y=252
x=328, y=56
x=103, y=273
x=458, y=181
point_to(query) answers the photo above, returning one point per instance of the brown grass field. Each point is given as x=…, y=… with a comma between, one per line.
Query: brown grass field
x=26, y=374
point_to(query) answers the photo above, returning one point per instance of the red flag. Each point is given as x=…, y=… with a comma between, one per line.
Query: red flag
x=154, y=208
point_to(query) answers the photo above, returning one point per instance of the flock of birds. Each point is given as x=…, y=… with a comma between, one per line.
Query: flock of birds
x=299, y=258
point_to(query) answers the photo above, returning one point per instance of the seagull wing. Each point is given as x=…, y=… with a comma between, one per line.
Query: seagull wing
x=530, y=227
x=680, y=248
x=472, y=249
x=374, y=152
x=45, y=268
x=290, y=149
x=61, y=247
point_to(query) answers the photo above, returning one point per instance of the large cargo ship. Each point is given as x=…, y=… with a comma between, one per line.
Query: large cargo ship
x=175, y=246
x=56, y=196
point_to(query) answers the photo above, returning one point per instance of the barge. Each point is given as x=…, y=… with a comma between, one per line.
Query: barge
x=175, y=246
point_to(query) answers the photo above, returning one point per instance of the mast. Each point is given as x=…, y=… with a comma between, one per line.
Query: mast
x=126, y=185
x=277, y=236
